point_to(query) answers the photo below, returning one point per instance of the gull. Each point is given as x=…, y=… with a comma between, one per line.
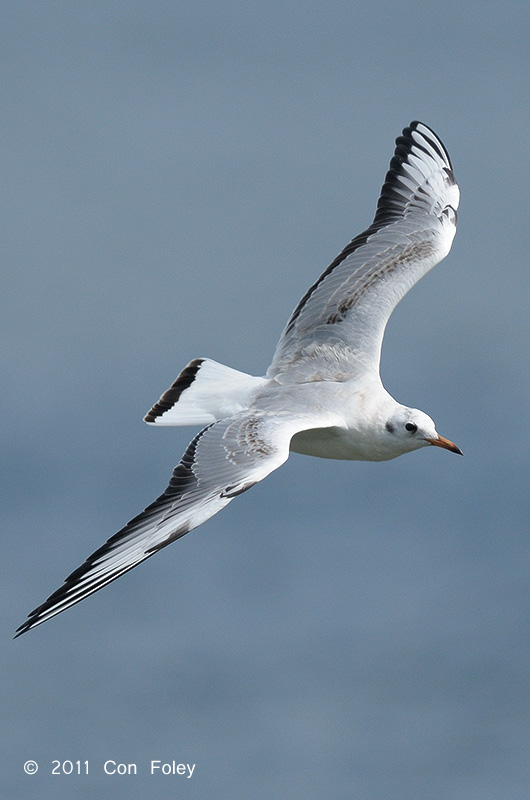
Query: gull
x=322, y=394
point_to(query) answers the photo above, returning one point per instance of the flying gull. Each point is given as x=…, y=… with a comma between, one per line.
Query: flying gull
x=322, y=394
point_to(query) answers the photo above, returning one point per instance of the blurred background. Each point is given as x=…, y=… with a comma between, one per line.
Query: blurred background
x=176, y=175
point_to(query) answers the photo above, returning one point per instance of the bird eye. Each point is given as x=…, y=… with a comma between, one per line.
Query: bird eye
x=411, y=427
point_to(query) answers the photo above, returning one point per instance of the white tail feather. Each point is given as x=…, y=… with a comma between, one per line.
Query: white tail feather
x=204, y=392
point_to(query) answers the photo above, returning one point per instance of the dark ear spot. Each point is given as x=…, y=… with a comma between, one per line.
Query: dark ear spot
x=389, y=427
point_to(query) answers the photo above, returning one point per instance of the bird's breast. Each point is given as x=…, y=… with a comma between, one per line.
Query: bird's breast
x=334, y=442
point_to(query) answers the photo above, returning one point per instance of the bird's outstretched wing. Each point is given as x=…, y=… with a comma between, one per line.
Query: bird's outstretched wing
x=337, y=328
x=223, y=460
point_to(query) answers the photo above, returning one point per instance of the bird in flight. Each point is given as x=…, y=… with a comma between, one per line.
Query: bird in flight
x=322, y=394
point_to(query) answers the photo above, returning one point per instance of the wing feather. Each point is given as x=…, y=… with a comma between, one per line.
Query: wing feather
x=345, y=312
x=222, y=461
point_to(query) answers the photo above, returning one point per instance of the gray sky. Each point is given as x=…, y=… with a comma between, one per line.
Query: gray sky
x=176, y=175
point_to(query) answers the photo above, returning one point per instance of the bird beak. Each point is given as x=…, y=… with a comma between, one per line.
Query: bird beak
x=446, y=444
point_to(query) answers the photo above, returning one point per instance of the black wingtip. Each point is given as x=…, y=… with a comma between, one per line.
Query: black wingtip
x=433, y=139
x=419, y=137
x=32, y=621
x=22, y=629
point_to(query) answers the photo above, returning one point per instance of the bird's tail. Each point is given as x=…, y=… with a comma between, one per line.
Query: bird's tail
x=204, y=392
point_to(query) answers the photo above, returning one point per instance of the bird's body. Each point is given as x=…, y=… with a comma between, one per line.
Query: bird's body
x=322, y=394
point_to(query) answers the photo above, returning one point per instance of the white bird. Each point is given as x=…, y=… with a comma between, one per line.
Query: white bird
x=322, y=394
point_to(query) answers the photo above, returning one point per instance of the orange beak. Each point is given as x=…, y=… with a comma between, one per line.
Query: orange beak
x=446, y=444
